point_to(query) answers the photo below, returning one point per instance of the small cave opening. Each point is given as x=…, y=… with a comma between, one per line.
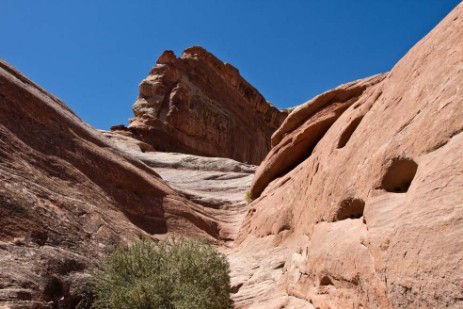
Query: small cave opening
x=345, y=136
x=399, y=175
x=54, y=289
x=350, y=208
x=235, y=288
x=325, y=280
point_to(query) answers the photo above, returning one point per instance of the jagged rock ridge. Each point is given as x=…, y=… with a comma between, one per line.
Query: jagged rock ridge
x=199, y=105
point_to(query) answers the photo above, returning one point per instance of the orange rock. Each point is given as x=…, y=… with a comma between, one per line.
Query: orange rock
x=372, y=216
x=302, y=130
x=199, y=105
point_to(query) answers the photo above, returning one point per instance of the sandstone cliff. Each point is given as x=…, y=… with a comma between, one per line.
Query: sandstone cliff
x=68, y=196
x=360, y=201
x=199, y=105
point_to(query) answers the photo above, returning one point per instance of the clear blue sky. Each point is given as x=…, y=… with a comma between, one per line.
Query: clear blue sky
x=94, y=53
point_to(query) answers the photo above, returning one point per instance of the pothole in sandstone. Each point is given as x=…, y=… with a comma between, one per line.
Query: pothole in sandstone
x=399, y=175
x=350, y=208
x=325, y=281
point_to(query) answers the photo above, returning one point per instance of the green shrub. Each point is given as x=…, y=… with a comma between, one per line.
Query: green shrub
x=172, y=274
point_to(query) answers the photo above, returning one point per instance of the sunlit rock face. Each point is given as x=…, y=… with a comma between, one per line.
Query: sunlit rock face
x=68, y=197
x=199, y=105
x=370, y=215
x=358, y=204
x=217, y=184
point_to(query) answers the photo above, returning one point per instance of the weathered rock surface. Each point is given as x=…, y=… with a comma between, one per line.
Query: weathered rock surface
x=372, y=216
x=219, y=184
x=294, y=141
x=359, y=203
x=199, y=105
x=67, y=196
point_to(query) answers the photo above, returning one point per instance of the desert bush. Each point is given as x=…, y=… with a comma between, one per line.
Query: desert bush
x=248, y=197
x=176, y=274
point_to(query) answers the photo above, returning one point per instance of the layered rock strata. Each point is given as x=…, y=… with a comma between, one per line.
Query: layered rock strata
x=218, y=184
x=371, y=216
x=358, y=205
x=67, y=197
x=197, y=104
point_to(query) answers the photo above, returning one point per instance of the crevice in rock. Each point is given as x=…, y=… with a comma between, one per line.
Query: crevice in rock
x=285, y=227
x=301, y=149
x=235, y=289
x=346, y=135
x=325, y=280
x=350, y=208
x=399, y=175
x=54, y=289
x=445, y=142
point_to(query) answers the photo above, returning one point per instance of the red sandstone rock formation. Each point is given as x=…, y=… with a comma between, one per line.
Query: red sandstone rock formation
x=199, y=105
x=67, y=197
x=294, y=141
x=371, y=216
x=359, y=203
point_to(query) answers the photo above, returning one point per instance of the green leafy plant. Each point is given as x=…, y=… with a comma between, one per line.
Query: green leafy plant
x=177, y=274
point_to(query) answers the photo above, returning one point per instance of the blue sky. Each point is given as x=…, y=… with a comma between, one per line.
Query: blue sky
x=93, y=53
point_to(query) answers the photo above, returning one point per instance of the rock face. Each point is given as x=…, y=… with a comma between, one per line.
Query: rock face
x=359, y=203
x=371, y=216
x=67, y=196
x=199, y=105
x=218, y=184
x=294, y=141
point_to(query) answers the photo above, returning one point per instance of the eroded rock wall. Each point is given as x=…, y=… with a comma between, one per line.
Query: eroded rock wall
x=199, y=105
x=371, y=217
x=67, y=197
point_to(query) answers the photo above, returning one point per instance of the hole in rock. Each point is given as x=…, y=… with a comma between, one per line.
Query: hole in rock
x=236, y=288
x=399, y=175
x=325, y=280
x=345, y=136
x=350, y=208
x=54, y=289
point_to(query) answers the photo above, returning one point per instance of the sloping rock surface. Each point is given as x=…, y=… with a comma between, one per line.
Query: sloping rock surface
x=67, y=197
x=199, y=105
x=219, y=184
x=305, y=126
x=372, y=216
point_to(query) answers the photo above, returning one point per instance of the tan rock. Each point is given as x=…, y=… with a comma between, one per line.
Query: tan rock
x=371, y=218
x=304, y=127
x=219, y=184
x=199, y=105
